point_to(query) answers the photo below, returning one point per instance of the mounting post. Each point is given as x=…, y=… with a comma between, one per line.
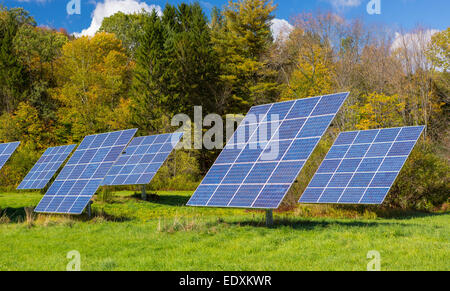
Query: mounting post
x=89, y=209
x=144, y=193
x=269, y=218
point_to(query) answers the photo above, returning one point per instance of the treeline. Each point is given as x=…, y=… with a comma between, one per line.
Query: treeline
x=142, y=69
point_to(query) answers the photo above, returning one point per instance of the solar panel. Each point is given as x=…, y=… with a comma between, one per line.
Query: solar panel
x=46, y=167
x=84, y=172
x=362, y=166
x=142, y=159
x=266, y=153
x=6, y=150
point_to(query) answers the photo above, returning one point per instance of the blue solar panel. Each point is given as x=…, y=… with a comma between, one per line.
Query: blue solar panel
x=46, y=167
x=6, y=150
x=266, y=153
x=142, y=159
x=84, y=173
x=362, y=166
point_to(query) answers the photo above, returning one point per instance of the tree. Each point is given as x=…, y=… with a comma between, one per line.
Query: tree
x=379, y=111
x=93, y=76
x=148, y=94
x=439, y=50
x=176, y=68
x=13, y=77
x=242, y=36
x=313, y=75
x=38, y=49
x=129, y=28
x=192, y=66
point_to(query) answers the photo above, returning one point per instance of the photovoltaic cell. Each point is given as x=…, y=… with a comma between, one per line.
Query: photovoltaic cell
x=266, y=153
x=6, y=150
x=362, y=166
x=84, y=173
x=142, y=159
x=46, y=167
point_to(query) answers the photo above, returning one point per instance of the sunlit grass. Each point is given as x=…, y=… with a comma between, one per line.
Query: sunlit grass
x=130, y=234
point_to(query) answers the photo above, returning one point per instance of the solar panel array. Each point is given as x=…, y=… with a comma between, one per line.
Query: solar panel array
x=142, y=159
x=266, y=153
x=46, y=167
x=6, y=150
x=362, y=166
x=84, y=172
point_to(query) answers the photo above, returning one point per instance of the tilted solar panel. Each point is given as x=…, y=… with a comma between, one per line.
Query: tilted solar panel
x=6, y=150
x=142, y=159
x=46, y=167
x=362, y=166
x=84, y=172
x=266, y=153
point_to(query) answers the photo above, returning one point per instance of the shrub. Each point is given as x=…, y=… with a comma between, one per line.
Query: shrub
x=19, y=165
x=180, y=172
x=423, y=183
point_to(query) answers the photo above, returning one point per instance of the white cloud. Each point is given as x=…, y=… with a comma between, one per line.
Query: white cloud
x=281, y=29
x=110, y=7
x=413, y=40
x=341, y=4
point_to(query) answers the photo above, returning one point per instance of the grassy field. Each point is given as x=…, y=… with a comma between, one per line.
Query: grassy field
x=129, y=234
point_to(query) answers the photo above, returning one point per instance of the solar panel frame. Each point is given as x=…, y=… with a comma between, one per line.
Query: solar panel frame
x=83, y=174
x=272, y=194
x=140, y=150
x=39, y=176
x=6, y=151
x=372, y=171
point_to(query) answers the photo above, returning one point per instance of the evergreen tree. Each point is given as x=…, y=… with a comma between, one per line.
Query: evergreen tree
x=13, y=77
x=242, y=36
x=148, y=92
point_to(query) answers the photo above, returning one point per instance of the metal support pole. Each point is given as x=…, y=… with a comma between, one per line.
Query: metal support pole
x=144, y=193
x=89, y=209
x=269, y=218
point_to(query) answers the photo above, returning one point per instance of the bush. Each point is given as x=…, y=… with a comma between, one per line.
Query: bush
x=180, y=172
x=307, y=173
x=423, y=183
x=19, y=165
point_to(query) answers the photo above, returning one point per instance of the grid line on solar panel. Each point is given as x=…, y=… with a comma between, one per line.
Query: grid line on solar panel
x=84, y=172
x=353, y=173
x=44, y=169
x=142, y=159
x=272, y=167
x=6, y=150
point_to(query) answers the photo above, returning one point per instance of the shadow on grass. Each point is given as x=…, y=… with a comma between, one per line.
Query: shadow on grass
x=18, y=215
x=313, y=225
x=406, y=214
x=168, y=200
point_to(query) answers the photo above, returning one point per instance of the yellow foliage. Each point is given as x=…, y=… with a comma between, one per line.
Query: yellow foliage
x=93, y=76
x=378, y=111
x=313, y=75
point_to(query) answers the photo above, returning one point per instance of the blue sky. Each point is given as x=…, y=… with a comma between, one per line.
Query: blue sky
x=399, y=14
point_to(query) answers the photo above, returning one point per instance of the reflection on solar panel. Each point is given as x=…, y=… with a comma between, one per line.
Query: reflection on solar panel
x=266, y=154
x=142, y=159
x=46, y=167
x=84, y=172
x=362, y=166
x=6, y=150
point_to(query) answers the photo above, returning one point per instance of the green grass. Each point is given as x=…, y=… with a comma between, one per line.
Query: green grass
x=129, y=234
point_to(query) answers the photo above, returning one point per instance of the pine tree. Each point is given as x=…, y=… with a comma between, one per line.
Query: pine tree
x=148, y=92
x=13, y=77
x=242, y=36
